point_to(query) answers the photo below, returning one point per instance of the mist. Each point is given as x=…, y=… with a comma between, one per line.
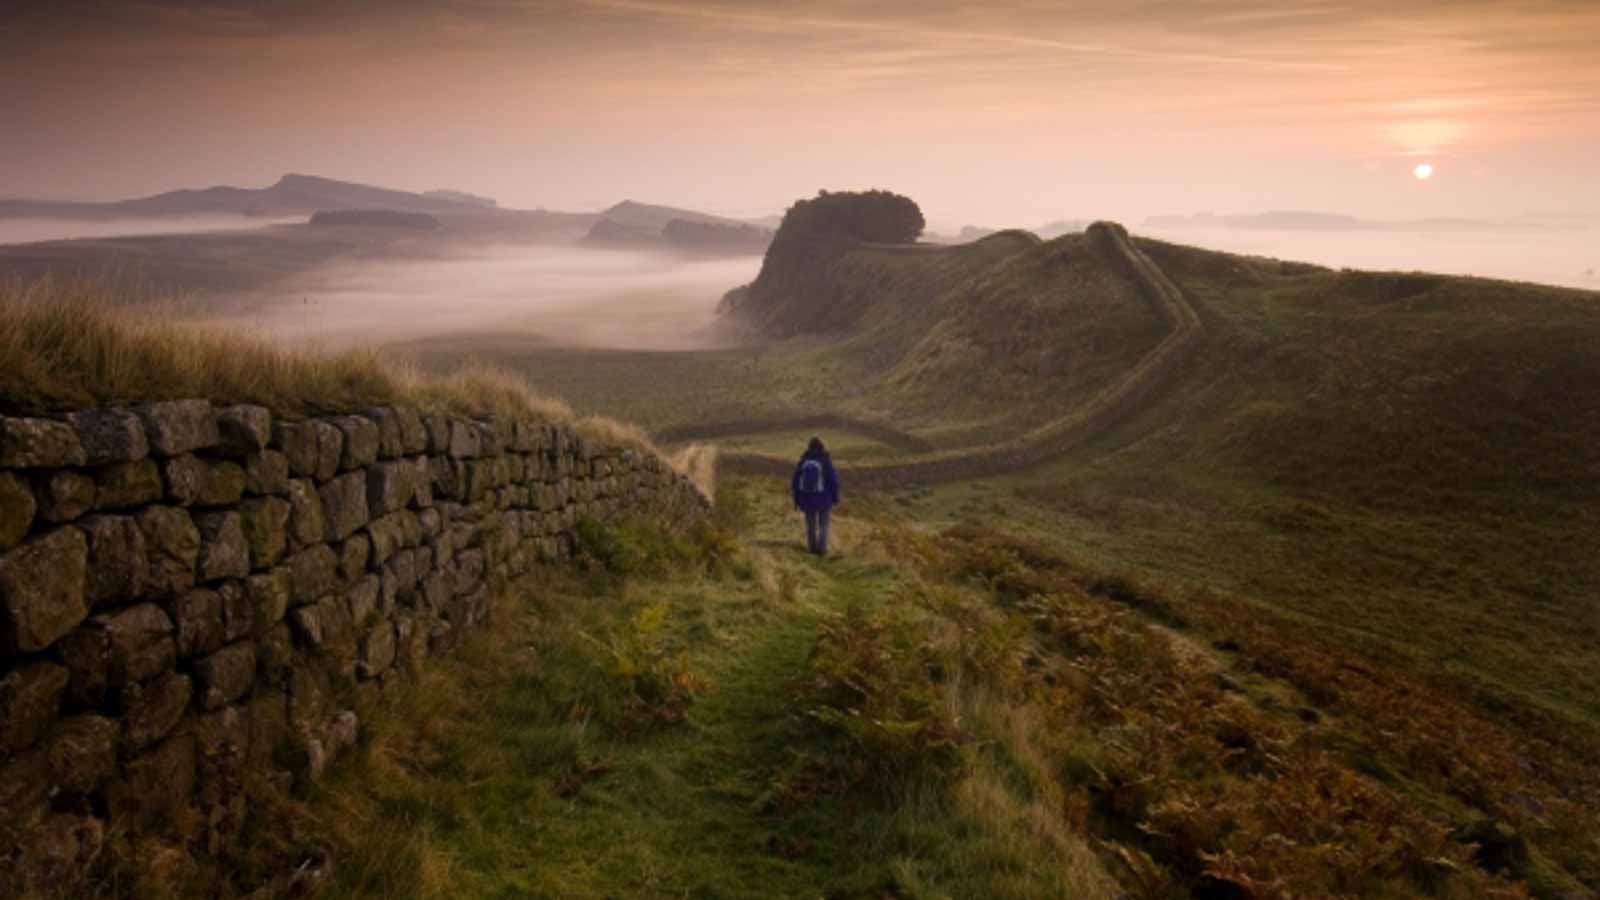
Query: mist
x=1569, y=257
x=27, y=231
x=570, y=296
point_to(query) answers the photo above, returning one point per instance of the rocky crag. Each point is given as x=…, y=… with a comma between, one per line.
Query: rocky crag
x=193, y=598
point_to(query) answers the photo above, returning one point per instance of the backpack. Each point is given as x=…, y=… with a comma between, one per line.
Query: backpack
x=811, y=480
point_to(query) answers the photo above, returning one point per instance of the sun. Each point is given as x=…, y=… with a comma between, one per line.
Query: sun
x=1423, y=171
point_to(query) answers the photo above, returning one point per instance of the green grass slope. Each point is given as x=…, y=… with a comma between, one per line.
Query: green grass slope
x=926, y=714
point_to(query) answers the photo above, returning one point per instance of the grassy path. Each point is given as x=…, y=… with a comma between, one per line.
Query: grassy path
x=516, y=794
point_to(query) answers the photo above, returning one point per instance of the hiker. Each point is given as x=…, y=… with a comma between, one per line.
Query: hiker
x=816, y=489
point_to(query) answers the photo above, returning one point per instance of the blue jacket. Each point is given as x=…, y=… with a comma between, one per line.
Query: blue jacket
x=830, y=484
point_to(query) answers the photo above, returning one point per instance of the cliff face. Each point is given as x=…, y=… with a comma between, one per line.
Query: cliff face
x=796, y=290
x=191, y=596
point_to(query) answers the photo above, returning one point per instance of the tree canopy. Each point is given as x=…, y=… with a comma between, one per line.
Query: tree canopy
x=880, y=217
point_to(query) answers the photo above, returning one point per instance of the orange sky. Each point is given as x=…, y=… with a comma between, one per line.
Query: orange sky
x=986, y=112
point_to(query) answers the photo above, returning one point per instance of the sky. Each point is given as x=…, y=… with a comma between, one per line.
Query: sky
x=993, y=113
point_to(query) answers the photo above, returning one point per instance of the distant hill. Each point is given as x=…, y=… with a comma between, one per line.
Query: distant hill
x=651, y=217
x=634, y=225
x=610, y=233
x=462, y=197
x=290, y=195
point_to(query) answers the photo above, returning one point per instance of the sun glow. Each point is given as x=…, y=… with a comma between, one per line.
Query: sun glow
x=1423, y=171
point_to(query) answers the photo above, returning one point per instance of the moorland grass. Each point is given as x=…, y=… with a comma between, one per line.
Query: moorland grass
x=925, y=715
x=71, y=343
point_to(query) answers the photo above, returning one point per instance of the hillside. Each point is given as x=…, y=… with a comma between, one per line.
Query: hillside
x=1403, y=465
x=638, y=226
x=289, y=195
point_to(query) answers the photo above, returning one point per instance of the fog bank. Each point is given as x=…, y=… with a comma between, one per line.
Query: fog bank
x=27, y=231
x=1562, y=256
x=588, y=298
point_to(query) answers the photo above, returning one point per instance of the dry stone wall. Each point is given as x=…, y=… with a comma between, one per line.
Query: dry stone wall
x=192, y=597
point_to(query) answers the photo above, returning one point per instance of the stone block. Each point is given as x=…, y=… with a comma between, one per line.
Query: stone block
x=17, y=510
x=390, y=444
x=197, y=620
x=391, y=486
x=266, y=472
x=43, y=590
x=223, y=551
x=191, y=481
x=172, y=543
x=306, y=524
x=238, y=611
x=185, y=478
x=110, y=435
x=39, y=444
x=127, y=484
x=330, y=449
x=325, y=625
x=82, y=752
x=266, y=529
x=244, y=429
x=438, y=428
x=268, y=594
x=224, y=487
x=297, y=441
x=361, y=441
x=139, y=643
x=344, y=505
x=313, y=573
x=30, y=698
x=226, y=675
x=353, y=556
x=155, y=786
x=466, y=441
x=64, y=495
x=151, y=709
x=422, y=483
x=447, y=477
x=413, y=433
x=387, y=537
x=118, y=562
x=176, y=427
x=362, y=598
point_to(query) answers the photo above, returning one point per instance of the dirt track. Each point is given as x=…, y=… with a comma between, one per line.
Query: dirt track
x=1113, y=405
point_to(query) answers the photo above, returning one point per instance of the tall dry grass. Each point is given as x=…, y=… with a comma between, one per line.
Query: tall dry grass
x=70, y=343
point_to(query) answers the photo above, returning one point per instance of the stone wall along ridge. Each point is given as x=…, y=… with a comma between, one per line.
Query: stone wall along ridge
x=193, y=596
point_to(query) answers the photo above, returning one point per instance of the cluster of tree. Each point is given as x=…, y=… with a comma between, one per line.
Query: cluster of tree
x=879, y=217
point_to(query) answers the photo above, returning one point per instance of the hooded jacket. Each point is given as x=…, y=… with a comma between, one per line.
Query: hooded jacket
x=830, y=483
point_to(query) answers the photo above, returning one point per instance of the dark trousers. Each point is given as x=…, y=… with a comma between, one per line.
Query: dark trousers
x=817, y=529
